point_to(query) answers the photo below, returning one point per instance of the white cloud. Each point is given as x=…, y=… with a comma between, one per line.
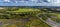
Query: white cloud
x=54, y=1
x=48, y=0
x=57, y=1
x=7, y=0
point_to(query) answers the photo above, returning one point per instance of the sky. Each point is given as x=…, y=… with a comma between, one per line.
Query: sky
x=30, y=3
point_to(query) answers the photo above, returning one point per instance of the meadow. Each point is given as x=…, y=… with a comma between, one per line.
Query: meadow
x=21, y=17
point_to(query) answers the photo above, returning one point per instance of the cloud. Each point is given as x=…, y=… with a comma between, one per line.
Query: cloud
x=55, y=3
x=7, y=0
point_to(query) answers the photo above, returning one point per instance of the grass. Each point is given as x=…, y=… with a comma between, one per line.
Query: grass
x=32, y=21
x=55, y=17
x=36, y=22
x=26, y=10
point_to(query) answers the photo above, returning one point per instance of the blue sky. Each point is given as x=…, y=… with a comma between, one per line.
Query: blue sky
x=31, y=3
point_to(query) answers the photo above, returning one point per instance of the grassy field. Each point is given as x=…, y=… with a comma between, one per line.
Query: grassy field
x=32, y=22
x=55, y=17
x=21, y=17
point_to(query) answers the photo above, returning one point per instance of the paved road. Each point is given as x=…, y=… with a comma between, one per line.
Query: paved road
x=50, y=22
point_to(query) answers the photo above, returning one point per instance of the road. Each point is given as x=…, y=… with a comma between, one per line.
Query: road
x=50, y=22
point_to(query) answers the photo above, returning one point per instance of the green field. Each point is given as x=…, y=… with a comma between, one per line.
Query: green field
x=21, y=17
